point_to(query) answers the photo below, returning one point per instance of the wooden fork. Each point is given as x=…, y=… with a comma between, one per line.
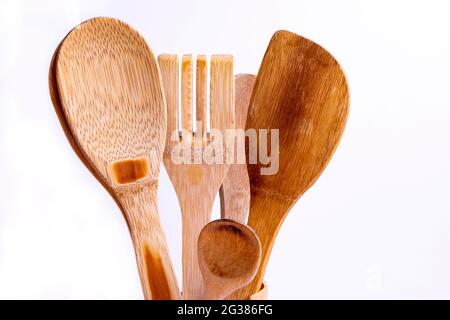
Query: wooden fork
x=197, y=184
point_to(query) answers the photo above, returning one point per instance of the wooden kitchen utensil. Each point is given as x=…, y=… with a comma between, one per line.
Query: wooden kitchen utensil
x=106, y=88
x=301, y=90
x=228, y=253
x=235, y=189
x=196, y=184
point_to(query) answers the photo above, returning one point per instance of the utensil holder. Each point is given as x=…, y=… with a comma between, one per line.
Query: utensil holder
x=261, y=294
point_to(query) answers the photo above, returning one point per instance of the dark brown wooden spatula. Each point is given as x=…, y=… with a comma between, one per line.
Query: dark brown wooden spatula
x=300, y=90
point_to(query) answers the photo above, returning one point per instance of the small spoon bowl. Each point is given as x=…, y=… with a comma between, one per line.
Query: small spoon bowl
x=229, y=254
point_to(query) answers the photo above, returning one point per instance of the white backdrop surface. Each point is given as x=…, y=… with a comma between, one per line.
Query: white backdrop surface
x=375, y=225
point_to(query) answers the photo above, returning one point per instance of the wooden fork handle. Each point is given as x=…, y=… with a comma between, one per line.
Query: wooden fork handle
x=158, y=279
x=194, y=218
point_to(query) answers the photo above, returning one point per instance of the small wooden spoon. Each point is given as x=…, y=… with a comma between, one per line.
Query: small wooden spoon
x=302, y=91
x=106, y=89
x=228, y=254
x=235, y=189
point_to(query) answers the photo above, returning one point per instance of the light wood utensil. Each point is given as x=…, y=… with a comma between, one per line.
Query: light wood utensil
x=228, y=253
x=106, y=89
x=196, y=184
x=235, y=189
x=301, y=90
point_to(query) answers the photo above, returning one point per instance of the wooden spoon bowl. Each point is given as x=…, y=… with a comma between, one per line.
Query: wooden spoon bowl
x=228, y=255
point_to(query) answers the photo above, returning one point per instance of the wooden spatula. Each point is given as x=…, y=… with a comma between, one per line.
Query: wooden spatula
x=109, y=99
x=229, y=254
x=235, y=189
x=196, y=181
x=301, y=90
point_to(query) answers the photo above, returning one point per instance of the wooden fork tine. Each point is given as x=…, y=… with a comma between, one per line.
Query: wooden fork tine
x=186, y=94
x=222, y=92
x=168, y=65
x=201, y=95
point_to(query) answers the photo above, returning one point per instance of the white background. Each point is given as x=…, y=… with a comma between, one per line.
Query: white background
x=375, y=225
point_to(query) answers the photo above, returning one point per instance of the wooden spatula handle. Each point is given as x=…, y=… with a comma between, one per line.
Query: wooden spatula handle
x=267, y=232
x=157, y=276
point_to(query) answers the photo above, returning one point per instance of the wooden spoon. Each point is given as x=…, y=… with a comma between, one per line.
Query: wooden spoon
x=235, y=190
x=106, y=89
x=302, y=91
x=228, y=254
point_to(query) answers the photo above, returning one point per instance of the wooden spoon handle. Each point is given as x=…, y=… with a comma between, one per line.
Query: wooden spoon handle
x=235, y=189
x=155, y=269
x=235, y=194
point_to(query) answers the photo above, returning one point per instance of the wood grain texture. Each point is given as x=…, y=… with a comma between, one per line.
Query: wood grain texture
x=301, y=90
x=106, y=89
x=235, y=189
x=197, y=184
x=228, y=253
